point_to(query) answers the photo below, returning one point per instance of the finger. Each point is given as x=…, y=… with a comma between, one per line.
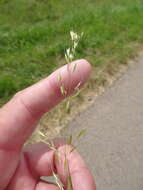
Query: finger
x=46, y=186
x=75, y=169
x=30, y=165
x=41, y=158
x=42, y=162
x=19, y=117
x=23, y=178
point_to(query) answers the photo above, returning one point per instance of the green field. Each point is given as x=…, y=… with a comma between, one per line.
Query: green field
x=35, y=33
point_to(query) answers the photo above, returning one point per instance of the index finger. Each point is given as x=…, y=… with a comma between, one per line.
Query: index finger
x=19, y=116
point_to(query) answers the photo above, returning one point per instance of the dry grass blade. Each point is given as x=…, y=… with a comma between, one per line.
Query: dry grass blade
x=74, y=68
x=72, y=149
x=76, y=94
x=78, y=86
x=49, y=145
x=81, y=133
x=67, y=171
x=69, y=179
x=58, y=181
x=69, y=140
x=68, y=106
x=41, y=134
x=66, y=164
x=69, y=183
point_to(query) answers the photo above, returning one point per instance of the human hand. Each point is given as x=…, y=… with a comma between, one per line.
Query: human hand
x=21, y=168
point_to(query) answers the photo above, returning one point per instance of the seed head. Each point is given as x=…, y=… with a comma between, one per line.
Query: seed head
x=70, y=52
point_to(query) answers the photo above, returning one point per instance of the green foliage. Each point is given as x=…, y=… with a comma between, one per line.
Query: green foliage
x=34, y=35
x=7, y=86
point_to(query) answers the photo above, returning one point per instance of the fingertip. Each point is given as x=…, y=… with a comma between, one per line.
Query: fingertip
x=81, y=73
x=84, y=66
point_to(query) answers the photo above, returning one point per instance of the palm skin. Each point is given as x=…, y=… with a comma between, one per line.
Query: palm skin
x=21, y=167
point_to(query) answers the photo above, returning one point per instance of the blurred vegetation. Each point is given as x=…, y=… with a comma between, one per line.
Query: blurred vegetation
x=35, y=33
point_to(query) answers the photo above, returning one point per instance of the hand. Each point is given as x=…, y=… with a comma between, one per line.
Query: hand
x=21, y=168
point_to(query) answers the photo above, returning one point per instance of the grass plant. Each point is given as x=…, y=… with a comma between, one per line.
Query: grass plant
x=34, y=36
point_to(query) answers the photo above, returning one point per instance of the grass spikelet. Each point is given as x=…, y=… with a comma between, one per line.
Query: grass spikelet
x=59, y=77
x=63, y=91
x=81, y=133
x=70, y=52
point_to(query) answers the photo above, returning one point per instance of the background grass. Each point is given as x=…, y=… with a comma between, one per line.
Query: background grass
x=35, y=33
